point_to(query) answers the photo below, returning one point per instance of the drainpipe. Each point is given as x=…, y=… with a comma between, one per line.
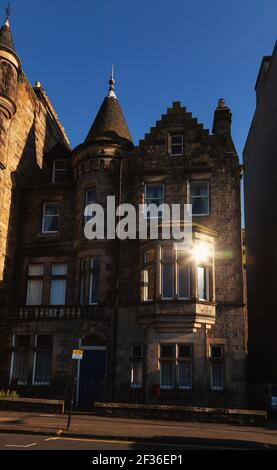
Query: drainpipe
x=116, y=283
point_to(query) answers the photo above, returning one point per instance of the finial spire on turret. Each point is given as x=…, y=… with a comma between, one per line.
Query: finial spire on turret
x=111, y=93
x=8, y=12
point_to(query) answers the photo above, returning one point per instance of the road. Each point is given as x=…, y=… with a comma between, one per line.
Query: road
x=40, y=442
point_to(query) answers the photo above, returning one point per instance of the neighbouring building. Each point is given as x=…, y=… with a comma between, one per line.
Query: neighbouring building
x=155, y=323
x=260, y=183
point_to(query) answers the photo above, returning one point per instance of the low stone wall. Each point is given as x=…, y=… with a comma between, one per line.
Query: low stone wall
x=183, y=413
x=36, y=405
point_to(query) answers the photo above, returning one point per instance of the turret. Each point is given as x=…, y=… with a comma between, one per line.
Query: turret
x=9, y=68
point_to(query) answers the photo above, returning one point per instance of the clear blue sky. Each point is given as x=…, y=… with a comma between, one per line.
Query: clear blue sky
x=192, y=51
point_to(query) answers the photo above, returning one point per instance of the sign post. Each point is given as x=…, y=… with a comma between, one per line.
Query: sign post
x=77, y=354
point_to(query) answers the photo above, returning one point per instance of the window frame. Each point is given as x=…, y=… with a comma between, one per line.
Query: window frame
x=56, y=204
x=58, y=277
x=92, y=271
x=171, y=145
x=34, y=277
x=15, y=350
x=186, y=360
x=206, y=282
x=172, y=360
x=138, y=360
x=59, y=170
x=36, y=351
x=207, y=183
x=147, y=185
x=219, y=361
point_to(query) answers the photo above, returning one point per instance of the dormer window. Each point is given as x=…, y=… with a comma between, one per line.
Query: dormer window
x=176, y=145
x=60, y=171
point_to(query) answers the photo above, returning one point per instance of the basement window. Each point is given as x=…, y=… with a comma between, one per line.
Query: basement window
x=217, y=367
x=136, y=365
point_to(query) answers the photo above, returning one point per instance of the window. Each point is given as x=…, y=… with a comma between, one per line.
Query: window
x=167, y=272
x=149, y=275
x=203, y=282
x=185, y=366
x=94, y=281
x=153, y=194
x=176, y=145
x=136, y=366
x=20, y=360
x=35, y=282
x=60, y=171
x=58, y=284
x=167, y=365
x=90, y=199
x=42, y=360
x=83, y=281
x=217, y=367
x=50, y=219
x=199, y=198
x=183, y=272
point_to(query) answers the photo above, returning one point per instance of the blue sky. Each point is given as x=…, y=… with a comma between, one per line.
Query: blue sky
x=192, y=51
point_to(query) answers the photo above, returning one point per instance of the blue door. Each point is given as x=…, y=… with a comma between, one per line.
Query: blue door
x=92, y=378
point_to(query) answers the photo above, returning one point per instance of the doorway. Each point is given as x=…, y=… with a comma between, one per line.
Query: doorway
x=91, y=377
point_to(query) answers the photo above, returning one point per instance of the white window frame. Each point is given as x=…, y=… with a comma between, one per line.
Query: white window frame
x=207, y=183
x=172, y=145
x=58, y=170
x=46, y=215
x=206, y=282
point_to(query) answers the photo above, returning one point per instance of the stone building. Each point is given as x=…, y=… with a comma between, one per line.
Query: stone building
x=155, y=322
x=260, y=185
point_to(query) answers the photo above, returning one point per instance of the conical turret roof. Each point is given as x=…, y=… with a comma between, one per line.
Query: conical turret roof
x=6, y=37
x=109, y=124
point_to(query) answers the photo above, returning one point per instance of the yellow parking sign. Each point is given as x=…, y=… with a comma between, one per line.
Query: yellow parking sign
x=77, y=354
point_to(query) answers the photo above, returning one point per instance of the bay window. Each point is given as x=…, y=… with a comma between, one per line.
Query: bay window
x=149, y=273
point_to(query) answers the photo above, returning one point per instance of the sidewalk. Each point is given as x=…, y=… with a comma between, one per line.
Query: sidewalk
x=133, y=429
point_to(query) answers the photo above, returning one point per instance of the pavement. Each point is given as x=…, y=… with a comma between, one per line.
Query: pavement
x=139, y=431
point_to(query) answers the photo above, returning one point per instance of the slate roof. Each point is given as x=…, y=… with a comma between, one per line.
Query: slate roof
x=109, y=124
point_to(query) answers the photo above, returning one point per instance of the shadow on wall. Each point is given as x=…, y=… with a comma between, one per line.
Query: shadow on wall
x=27, y=174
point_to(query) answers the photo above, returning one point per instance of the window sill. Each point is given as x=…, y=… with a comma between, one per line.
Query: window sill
x=48, y=235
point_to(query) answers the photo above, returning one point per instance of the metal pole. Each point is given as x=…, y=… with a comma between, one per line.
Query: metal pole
x=73, y=388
